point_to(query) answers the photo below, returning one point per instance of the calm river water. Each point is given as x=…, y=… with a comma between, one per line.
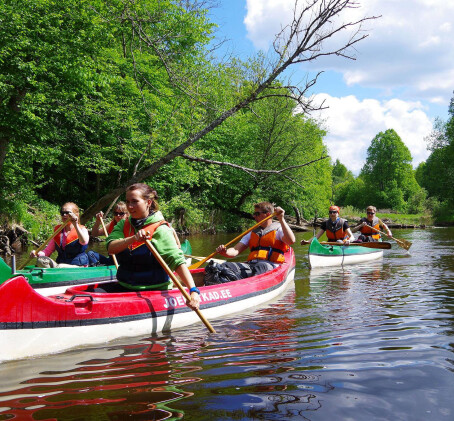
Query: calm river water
x=367, y=342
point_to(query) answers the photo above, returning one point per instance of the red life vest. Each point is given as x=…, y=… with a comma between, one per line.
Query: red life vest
x=335, y=231
x=265, y=246
x=366, y=230
x=111, y=226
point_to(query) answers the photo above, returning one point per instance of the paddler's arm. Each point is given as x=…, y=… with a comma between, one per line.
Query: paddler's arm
x=385, y=228
x=118, y=245
x=350, y=236
x=358, y=227
x=231, y=251
x=184, y=274
x=97, y=229
x=82, y=233
x=288, y=237
x=319, y=234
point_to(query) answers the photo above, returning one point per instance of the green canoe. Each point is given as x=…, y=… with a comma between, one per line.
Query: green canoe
x=50, y=281
x=338, y=255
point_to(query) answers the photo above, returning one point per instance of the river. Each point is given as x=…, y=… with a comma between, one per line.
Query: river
x=366, y=342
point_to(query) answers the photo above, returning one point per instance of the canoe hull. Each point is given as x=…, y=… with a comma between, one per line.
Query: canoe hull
x=49, y=281
x=325, y=256
x=31, y=324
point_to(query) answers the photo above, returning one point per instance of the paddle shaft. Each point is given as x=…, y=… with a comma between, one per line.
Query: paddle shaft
x=369, y=244
x=178, y=284
x=43, y=246
x=202, y=257
x=198, y=264
x=404, y=244
x=106, y=234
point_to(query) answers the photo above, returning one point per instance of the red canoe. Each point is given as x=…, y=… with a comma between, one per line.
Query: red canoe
x=31, y=324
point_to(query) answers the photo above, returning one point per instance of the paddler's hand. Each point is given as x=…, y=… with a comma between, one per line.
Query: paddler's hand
x=73, y=217
x=195, y=301
x=304, y=242
x=141, y=235
x=279, y=213
x=33, y=253
x=221, y=250
x=99, y=216
x=347, y=242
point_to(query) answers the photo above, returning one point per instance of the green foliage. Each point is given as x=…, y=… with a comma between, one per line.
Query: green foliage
x=437, y=173
x=388, y=173
x=34, y=214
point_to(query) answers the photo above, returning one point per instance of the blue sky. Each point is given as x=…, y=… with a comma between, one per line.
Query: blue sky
x=402, y=78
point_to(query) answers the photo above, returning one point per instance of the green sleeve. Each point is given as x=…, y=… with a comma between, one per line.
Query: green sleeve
x=164, y=242
x=117, y=233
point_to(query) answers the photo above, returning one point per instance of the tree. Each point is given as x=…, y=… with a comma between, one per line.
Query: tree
x=303, y=40
x=388, y=173
x=437, y=173
x=110, y=93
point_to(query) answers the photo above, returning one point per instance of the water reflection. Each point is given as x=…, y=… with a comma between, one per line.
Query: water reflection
x=137, y=381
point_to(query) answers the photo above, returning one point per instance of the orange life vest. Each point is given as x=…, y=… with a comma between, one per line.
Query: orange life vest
x=335, y=231
x=73, y=252
x=70, y=238
x=128, y=231
x=366, y=230
x=265, y=246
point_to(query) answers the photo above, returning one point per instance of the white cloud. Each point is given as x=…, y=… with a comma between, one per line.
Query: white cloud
x=352, y=124
x=409, y=51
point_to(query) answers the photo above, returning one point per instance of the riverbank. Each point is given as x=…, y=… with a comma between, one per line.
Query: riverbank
x=17, y=233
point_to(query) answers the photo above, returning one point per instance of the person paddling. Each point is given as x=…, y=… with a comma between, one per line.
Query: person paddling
x=365, y=224
x=268, y=243
x=138, y=268
x=70, y=244
x=336, y=228
x=120, y=212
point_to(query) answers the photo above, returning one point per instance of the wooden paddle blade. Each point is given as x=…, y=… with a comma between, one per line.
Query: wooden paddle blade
x=403, y=243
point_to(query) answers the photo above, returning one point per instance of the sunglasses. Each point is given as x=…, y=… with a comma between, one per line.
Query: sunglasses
x=63, y=213
x=258, y=213
x=119, y=213
x=371, y=213
x=332, y=211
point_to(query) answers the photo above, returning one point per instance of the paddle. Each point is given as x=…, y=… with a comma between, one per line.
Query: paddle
x=402, y=243
x=106, y=234
x=43, y=246
x=198, y=264
x=177, y=283
x=201, y=258
x=370, y=244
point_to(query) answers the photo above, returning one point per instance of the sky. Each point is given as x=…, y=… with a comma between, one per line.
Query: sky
x=402, y=78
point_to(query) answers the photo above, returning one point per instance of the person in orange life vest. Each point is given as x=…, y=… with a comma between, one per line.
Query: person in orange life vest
x=336, y=228
x=368, y=234
x=138, y=268
x=267, y=245
x=70, y=243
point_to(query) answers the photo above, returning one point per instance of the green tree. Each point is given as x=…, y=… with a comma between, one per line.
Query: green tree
x=388, y=173
x=437, y=173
